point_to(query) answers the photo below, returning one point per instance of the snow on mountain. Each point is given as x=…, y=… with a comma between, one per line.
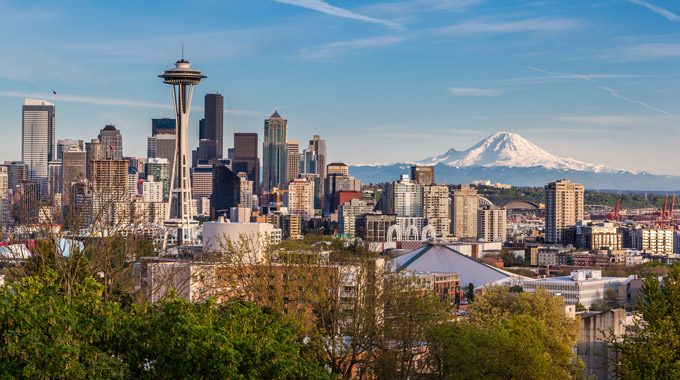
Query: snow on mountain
x=511, y=150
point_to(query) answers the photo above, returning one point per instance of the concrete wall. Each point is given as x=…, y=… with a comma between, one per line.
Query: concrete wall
x=592, y=348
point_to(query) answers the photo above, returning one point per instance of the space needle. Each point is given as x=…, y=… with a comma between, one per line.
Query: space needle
x=179, y=214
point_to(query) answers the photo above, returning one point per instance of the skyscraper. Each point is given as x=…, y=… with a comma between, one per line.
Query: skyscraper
x=246, y=158
x=162, y=146
x=563, y=207
x=292, y=162
x=38, y=142
x=74, y=168
x=424, y=175
x=164, y=126
x=301, y=198
x=213, y=128
x=437, y=208
x=95, y=150
x=491, y=222
x=226, y=190
x=64, y=145
x=464, y=212
x=274, y=151
x=406, y=198
x=113, y=142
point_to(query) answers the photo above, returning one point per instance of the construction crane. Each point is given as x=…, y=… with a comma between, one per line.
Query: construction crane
x=278, y=192
x=615, y=214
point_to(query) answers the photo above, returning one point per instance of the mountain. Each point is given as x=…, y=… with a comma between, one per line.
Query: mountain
x=509, y=150
x=509, y=158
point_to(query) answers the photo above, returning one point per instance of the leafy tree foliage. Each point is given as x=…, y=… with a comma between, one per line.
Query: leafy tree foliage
x=508, y=336
x=48, y=334
x=651, y=350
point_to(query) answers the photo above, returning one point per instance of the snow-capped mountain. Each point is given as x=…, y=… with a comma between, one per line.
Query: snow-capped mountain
x=509, y=150
x=509, y=158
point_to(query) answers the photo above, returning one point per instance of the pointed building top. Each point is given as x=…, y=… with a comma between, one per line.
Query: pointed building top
x=275, y=115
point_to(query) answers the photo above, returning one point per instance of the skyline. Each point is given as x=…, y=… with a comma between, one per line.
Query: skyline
x=590, y=81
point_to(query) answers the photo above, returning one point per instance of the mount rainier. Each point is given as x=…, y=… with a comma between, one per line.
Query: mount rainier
x=509, y=158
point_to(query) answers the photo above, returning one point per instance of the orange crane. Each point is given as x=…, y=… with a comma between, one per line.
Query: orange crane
x=615, y=214
x=278, y=192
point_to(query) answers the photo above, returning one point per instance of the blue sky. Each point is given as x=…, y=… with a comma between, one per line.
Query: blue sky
x=381, y=81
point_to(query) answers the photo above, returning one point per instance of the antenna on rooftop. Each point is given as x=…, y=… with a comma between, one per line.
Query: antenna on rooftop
x=182, y=52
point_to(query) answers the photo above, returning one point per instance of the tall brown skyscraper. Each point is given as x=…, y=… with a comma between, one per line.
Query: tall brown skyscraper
x=246, y=158
x=424, y=175
x=563, y=207
x=213, y=128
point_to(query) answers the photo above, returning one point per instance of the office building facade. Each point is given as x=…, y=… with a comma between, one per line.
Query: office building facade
x=213, y=128
x=563, y=208
x=464, y=203
x=113, y=142
x=38, y=139
x=274, y=152
x=246, y=158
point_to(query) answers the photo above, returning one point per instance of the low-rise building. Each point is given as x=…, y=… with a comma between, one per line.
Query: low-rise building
x=584, y=286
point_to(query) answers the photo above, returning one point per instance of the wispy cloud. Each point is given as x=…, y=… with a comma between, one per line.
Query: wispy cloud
x=488, y=26
x=657, y=9
x=611, y=91
x=599, y=119
x=336, y=48
x=410, y=7
x=616, y=94
x=458, y=91
x=646, y=52
x=114, y=102
x=324, y=7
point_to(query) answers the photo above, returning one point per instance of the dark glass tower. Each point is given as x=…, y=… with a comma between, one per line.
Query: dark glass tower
x=213, y=128
x=226, y=190
x=246, y=158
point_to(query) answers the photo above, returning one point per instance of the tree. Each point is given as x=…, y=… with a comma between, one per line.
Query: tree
x=507, y=257
x=651, y=349
x=469, y=292
x=49, y=334
x=508, y=335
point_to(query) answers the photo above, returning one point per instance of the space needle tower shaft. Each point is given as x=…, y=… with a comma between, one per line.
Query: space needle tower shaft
x=179, y=214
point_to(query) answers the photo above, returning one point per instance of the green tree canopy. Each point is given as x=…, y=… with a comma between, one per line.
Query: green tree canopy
x=47, y=334
x=651, y=349
x=507, y=336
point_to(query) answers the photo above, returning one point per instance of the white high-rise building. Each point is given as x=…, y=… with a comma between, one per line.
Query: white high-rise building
x=152, y=191
x=38, y=143
x=4, y=196
x=437, y=208
x=406, y=198
x=301, y=198
x=246, y=198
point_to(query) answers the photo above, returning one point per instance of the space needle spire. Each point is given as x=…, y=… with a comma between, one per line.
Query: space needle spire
x=179, y=215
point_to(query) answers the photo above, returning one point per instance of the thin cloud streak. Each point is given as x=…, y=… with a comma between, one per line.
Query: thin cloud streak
x=537, y=24
x=646, y=52
x=115, y=102
x=599, y=119
x=336, y=48
x=657, y=9
x=608, y=89
x=324, y=7
x=616, y=94
x=458, y=91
